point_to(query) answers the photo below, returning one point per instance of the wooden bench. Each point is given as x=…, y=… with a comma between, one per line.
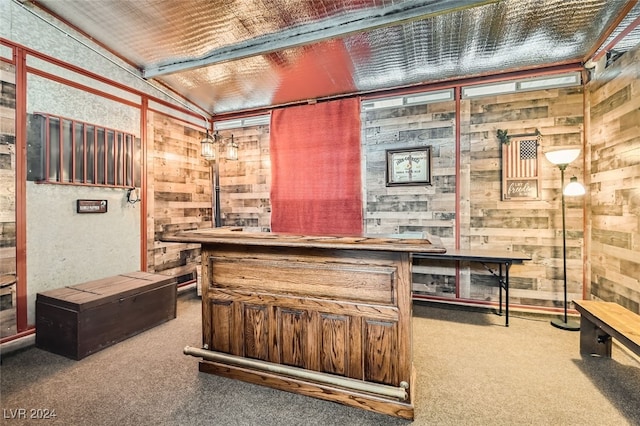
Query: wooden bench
x=76, y=321
x=600, y=321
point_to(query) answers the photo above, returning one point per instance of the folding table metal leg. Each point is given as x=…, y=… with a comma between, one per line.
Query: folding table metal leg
x=507, y=264
x=503, y=280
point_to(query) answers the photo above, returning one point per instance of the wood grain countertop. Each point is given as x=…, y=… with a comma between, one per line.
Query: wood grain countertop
x=354, y=242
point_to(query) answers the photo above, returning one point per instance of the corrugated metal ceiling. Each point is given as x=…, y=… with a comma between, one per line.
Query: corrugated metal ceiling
x=228, y=56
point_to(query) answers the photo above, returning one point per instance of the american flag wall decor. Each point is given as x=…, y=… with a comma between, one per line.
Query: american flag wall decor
x=521, y=168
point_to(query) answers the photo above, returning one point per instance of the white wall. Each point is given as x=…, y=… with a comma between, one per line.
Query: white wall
x=50, y=97
x=66, y=248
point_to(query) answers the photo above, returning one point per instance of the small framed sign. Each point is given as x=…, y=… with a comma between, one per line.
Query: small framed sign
x=410, y=166
x=91, y=206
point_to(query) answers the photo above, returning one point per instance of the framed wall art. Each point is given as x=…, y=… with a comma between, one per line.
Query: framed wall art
x=521, y=168
x=410, y=166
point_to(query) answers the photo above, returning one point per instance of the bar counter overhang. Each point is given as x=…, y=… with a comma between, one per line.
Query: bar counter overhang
x=324, y=316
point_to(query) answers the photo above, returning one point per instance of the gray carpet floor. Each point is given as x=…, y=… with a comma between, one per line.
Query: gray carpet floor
x=471, y=370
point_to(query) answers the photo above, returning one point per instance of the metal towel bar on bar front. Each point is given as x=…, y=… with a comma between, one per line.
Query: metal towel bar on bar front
x=384, y=390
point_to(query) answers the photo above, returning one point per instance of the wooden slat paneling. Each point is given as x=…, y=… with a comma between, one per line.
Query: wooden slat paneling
x=486, y=222
x=179, y=195
x=245, y=184
x=393, y=210
x=532, y=227
x=614, y=143
x=7, y=199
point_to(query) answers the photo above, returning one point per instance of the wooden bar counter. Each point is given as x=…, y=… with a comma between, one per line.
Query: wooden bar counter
x=324, y=316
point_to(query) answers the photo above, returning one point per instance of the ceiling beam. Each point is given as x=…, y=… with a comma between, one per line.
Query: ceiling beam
x=314, y=32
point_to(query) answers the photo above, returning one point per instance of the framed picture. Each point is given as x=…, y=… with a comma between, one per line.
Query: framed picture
x=411, y=166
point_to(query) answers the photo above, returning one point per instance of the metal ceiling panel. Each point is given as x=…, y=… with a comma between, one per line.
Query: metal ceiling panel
x=491, y=38
x=150, y=31
x=509, y=35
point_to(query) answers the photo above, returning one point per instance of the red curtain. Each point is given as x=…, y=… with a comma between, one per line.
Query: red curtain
x=315, y=169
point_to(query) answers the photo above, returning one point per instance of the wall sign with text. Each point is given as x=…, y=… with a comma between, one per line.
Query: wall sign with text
x=409, y=166
x=91, y=206
x=521, y=169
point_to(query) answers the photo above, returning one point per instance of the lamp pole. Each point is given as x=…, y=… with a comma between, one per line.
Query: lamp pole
x=209, y=150
x=564, y=242
x=216, y=190
x=562, y=158
x=564, y=324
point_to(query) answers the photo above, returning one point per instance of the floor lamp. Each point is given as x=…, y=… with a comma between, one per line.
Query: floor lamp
x=209, y=149
x=562, y=158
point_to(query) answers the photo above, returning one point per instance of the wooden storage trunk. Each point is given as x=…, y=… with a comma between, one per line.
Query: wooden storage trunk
x=79, y=320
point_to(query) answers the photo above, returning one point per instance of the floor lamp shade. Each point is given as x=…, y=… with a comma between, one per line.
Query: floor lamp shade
x=562, y=156
x=574, y=189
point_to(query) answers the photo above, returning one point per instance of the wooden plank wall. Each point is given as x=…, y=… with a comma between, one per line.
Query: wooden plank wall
x=406, y=209
x=532, y=227
x=180, y=189
x=7, y=200
x=178, y=194
x=7, y=164
x=614, y=147
x=486, y=222
x=245, y=184
x=401, y=209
